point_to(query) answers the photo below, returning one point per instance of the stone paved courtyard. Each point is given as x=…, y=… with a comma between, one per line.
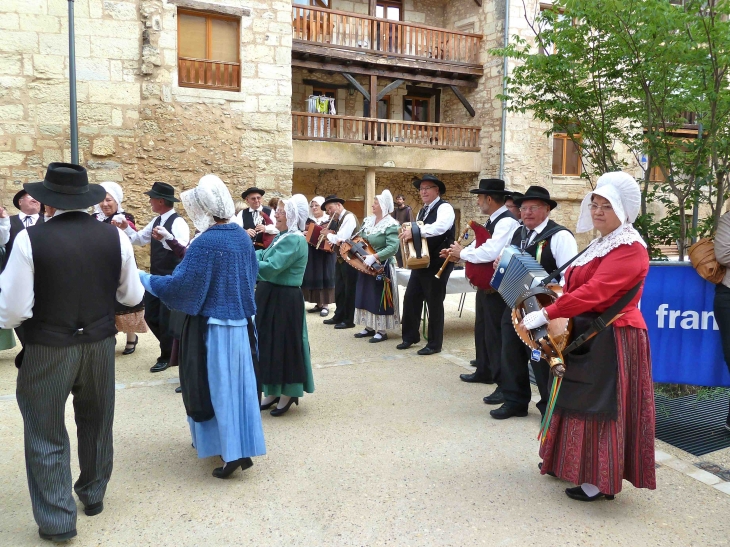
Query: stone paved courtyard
x=391, y=449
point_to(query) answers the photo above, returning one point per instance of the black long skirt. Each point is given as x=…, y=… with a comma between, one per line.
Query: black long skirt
x=279, y=322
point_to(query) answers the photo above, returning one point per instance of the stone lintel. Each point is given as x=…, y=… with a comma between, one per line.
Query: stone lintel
x=212, y=7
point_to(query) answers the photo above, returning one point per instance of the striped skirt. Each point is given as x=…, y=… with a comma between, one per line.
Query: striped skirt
x=580, y=448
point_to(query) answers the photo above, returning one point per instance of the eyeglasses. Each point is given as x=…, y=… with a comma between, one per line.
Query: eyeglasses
x=427, y=188
x=605, y=208
x=531, y=208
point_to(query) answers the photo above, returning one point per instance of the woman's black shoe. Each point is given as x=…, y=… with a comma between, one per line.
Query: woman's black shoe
x=539, y=466
x=229, y=467
x=365, y=334
x=578, y=494
x=375, y=339
x=127, y=349
x=282, y=411
x=268, y=405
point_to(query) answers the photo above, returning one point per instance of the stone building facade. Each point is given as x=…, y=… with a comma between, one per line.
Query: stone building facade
x=137, y=124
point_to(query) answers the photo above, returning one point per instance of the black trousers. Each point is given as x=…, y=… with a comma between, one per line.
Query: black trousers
x=423, y=286
x=488, y=334
x=722, y=316
x=345, y=283
x=515, y=374
x=157, y=316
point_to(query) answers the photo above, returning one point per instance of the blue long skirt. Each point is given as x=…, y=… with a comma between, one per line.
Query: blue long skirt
x=235, y=431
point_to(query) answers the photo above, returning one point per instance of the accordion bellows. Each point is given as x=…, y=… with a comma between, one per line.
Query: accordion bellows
x=517, y=273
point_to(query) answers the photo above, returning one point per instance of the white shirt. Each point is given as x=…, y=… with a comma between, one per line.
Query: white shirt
x=33, y=219
x=4, y=230
x=17, y=295
x=562, y=244
x=257, y=219
x=445, y=218
x=180, y=231
x=346, y=228
x=488, y=251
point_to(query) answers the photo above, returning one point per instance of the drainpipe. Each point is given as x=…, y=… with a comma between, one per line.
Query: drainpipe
x=505, y=69
x=72, y=84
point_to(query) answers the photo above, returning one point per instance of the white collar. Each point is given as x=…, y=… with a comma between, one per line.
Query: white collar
x=165, y=216
x=252, y=210
x=625, y=234
x=540, y=226
x=23, y=216
x=342, y=214
x=498, y=212
x=62, y=211
x=430, y=205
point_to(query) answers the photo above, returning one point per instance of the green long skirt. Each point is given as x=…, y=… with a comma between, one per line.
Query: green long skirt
x=7, y=339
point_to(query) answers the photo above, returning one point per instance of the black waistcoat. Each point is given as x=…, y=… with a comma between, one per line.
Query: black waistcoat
x=162, y=261
x=17, y=226
x=547, y=260
x=492, y=223
x=77, y=262
x=247, y=217
x=436, y=243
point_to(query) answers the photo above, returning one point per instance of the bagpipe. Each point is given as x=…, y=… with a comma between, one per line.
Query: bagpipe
x=316, y=238
x=414, y=251
x=262, y=239
x=479, y=275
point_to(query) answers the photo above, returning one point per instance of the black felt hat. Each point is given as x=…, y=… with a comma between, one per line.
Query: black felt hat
x=332, y=198
x=513, y=195
x=429, y=178
x=16, y=198
x=491, y=186
x=162, y=190
x=252, y=190
x=65, y=186
x=535, y=192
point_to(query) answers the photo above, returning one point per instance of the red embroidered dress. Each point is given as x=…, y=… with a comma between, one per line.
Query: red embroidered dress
x=581, y=448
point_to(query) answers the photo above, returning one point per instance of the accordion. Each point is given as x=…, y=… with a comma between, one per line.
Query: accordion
x=414, y=251
x=315, y=238
x=517, y=273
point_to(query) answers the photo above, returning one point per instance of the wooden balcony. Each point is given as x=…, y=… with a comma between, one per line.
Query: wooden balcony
x=209, y=74
x=361, y=39
x=325, y=127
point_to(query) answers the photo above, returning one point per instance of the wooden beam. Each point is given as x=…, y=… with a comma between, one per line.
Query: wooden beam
x=392, y=74
x=373, y=94
x=323, y=85
x=437, y=99
x=391, y=59
x=421, y=91
x=356, y=85
x=388, y=88
x=372, y=7
x=464, y=101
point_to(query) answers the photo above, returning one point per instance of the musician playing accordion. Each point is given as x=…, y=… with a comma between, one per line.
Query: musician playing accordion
x=552, y=245
x=602, y=428
x=490, y=307
x=438, y=218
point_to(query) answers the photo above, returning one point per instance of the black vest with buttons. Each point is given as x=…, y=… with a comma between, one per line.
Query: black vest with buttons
x=77, y=263
x=436, y=243
x=492, y=222
x=162, y=261
x=17, y=226
x=547, y=260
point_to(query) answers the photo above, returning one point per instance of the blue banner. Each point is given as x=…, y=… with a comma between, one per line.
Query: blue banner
x=685, y=341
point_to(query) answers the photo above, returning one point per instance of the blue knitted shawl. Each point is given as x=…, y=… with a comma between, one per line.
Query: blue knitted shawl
x=216, y=278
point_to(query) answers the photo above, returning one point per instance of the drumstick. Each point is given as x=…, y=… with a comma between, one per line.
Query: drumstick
x=448, y=258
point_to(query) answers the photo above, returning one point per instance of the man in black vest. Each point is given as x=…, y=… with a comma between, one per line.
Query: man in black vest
x=251, y=220
x=342, y=227
x=438, y=218
x=553, y=245
x=489, y=304
x=29, y=215
x=61, y=283
x=162, y=261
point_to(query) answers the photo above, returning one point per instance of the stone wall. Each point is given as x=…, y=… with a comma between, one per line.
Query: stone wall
x=425, y=12
x=136, y=125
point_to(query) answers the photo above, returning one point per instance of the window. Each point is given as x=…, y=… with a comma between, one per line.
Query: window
x=415, y=109
x=657, y=175
x=208, y=51
x=391, y=10
x=318, y=3
x=566, y=156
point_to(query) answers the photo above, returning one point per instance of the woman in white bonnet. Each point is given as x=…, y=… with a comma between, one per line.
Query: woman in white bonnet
x=129, y=320
x=602, y=430
x=375, y=299
x=318, y=285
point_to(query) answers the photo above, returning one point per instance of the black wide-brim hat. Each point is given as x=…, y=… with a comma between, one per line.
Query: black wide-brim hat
x=535, y=192
x=252, y=190
x=16, y=198
x=513, y=195
x=162, y=190
x=66, y=186
x=491, y=186
x=332, y=198
x=429, y=178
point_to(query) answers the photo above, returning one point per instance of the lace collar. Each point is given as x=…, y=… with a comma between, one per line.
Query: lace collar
x=370, y=228
x=625, y=234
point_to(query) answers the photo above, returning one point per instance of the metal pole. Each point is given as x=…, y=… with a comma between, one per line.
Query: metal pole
x=505, y=70
x=72, y=84
x=696, y=207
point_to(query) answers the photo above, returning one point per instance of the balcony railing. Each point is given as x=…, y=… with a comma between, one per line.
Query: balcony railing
x=209, y=74
x=345, y=30
x=324, y=127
